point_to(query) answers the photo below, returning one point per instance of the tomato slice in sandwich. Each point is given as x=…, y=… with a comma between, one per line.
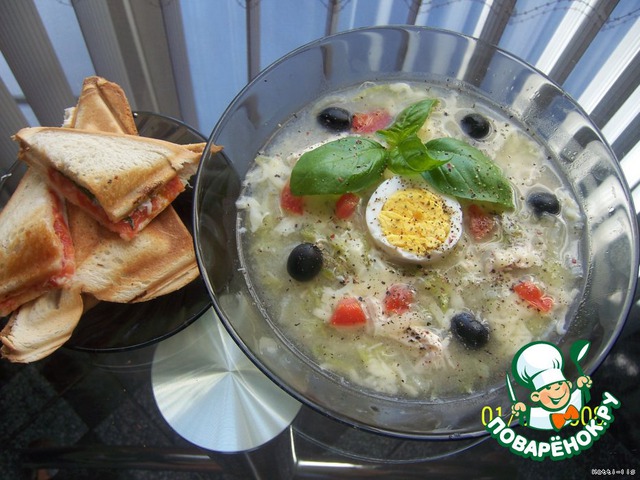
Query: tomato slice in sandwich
x=128, y=227
x=62, y=232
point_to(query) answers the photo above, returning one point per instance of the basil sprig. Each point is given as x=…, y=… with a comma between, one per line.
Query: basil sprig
x=353, y=163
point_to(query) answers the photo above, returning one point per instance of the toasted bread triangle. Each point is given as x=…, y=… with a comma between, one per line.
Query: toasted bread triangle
x=32, y=253
x=102, y=107
x=119, y=171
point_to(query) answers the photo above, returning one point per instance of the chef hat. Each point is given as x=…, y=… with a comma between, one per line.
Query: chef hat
x=537, y=365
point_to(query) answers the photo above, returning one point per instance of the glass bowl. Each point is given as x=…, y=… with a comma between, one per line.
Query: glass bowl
x=399, y=53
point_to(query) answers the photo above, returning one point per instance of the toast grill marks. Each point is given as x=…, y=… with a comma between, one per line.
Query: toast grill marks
x=122, y=173
x=36, y=251
x=102, y=106
x=159, y=260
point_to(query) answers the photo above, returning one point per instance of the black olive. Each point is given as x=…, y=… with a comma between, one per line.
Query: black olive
x=476, y=126
x=543, y=202
x=304, y=262
x=471, y=332
x=335, y=118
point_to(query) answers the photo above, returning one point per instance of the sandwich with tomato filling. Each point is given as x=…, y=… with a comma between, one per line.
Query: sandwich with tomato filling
x=123, y=181
x=36, y=250
x=158, y=260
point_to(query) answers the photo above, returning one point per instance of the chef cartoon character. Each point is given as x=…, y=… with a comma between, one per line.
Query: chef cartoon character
x=538, y=367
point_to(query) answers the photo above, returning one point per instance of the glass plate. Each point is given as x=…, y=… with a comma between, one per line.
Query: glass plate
x=110, y=327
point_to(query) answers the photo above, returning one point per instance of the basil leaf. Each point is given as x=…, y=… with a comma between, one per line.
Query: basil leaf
x=348, y=164
x=467, y=173
x=397, y=164
x=408, y=122
x=411, y=156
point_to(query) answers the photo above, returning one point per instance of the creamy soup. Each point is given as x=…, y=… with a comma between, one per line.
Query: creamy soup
x=395, y=269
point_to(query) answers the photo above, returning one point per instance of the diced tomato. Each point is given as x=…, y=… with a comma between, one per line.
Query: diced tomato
x=370, y=122
x=348, y=313
x=480, y=222
x=346, y=205
x=291, y=203
x=534, y=296
x=398, y=298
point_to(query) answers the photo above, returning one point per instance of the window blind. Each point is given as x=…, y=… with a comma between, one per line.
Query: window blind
x=189, y=58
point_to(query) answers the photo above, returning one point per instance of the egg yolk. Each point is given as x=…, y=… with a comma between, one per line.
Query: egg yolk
x=415, y=220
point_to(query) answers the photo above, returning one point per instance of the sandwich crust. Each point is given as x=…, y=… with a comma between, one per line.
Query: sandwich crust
x=160, y=261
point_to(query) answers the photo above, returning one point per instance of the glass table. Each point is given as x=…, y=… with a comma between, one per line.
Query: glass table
x=103, y=415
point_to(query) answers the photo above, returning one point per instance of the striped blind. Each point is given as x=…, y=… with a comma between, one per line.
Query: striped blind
x=188, y=58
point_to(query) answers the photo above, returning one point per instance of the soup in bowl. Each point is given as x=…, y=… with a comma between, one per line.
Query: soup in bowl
x=396, y=212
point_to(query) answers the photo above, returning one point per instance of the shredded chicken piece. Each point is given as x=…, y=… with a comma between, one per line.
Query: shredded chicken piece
x=429, y=343
x=431, y=346
x=422, y=338
x=519, y=256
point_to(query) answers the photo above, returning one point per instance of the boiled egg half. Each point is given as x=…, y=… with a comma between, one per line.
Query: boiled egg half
x=412, y=223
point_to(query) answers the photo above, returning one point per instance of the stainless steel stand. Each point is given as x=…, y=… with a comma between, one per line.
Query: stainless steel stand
x=212, y=395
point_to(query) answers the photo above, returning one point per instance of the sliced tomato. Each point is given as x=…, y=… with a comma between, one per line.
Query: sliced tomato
x=61, y=230
x=67, y=264
x=370, y=122
x=141, y=216
x=534, y=296
x=128, y=227
x=480, y=222
x=348, y=313
x=398, y=298
x=291, y=203
x=346, y=205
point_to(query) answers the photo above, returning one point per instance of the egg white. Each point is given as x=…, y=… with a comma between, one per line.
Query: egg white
x=376, y=202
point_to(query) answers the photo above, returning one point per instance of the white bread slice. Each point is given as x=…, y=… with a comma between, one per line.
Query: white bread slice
x=41, y=326
x=102, y=107
x=32, y=254
x=120, y=171
x=159, y=260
